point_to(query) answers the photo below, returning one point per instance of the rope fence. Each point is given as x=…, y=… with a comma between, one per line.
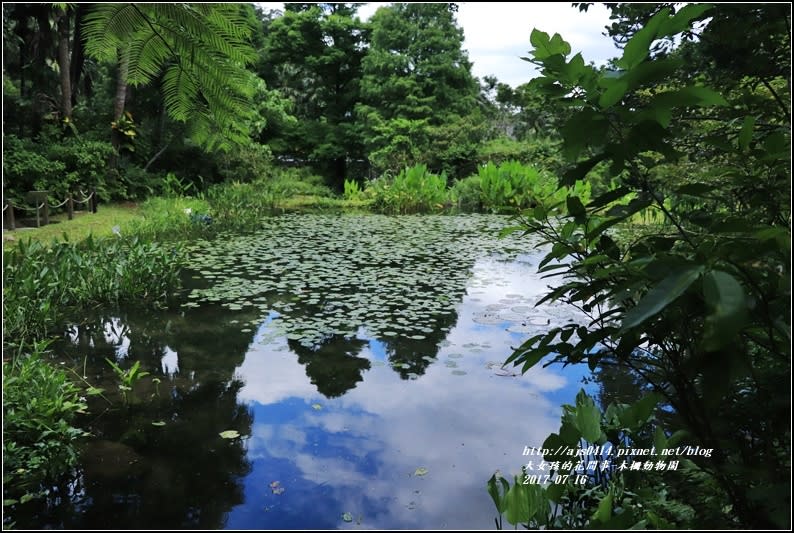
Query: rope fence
x=42, y=207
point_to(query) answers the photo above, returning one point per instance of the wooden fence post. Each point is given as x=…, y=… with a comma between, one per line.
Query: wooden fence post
x=10, y=215
x=70, y=206
x=46, y=203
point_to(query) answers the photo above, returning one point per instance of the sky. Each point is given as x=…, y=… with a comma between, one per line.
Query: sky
x=497, y=34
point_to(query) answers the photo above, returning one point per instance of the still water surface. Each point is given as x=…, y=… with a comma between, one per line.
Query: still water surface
x=359, y=359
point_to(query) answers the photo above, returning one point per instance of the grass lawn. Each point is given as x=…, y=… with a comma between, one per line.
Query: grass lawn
x=109, y=215
x=99, y=224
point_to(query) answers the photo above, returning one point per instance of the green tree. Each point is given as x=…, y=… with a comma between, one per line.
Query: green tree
x=418, y=96
x=312, y=55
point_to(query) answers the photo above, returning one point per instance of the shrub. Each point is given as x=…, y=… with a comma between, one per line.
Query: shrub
x=86, y=166
x=467, y=193
x=511, y=184
x=246, y=163
x=413, y=190
x=40, y=405
x=40, y=281
x=140, y=184
x=24, y=169
x=238, y=205
x=294, y=182
x=353, y=190
x=171, y=218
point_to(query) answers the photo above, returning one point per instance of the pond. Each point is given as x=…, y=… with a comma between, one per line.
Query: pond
x=354, y=360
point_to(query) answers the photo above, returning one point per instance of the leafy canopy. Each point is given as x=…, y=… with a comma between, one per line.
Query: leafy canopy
x=197, y=51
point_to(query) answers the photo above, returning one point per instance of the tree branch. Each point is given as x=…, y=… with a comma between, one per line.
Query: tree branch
x=786, y=112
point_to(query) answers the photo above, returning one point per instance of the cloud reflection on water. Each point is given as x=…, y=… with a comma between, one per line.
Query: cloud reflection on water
x=359, y=452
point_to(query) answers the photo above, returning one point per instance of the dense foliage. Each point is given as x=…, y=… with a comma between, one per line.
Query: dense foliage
x=212, y=93
x=40, y=405
x=697, y=307
x=41, y=281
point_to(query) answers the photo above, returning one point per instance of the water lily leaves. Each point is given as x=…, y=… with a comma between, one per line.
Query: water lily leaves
x=395, y=276
x=158, y=424
x=347, y=517
x=229, y=434
x=317, y=407
x=421, y=471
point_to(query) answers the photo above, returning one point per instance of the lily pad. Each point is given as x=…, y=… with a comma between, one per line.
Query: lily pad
x=229, y=434
x=347, y=517
x=317, y=406
x=421, y=471
x=158, y=424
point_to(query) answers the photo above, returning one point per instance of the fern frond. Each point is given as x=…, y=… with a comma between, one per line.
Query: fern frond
x=201, y=50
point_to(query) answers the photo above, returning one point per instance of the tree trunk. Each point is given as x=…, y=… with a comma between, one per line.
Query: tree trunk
x=63, y=65
x=78, y=55
x=340, y=171
x=118, y=104
x=121, y=85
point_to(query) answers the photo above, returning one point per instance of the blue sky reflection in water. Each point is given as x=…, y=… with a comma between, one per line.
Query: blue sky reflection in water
x=358, y=453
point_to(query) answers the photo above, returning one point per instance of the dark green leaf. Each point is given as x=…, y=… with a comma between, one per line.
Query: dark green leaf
x=553, y=443
x=613, y=93
x=659, y=440
x=693, y=95
x=609, y=197
x=588, y=417
x=555, y=491
x=746, y=134
x=636, y=49
x=653, y=71
x=726, y=298
x=696, y=189
x=683, y=19
x=638, y=413
x=580, y=170
x=604, y=511
x=586, y=128
x=634, y=206
x=660, y=296
x=603, y=226
x=570, y=434
x=575, y=207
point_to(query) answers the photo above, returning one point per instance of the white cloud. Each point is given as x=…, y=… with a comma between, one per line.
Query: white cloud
x=373, y=438
x=497, y=35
